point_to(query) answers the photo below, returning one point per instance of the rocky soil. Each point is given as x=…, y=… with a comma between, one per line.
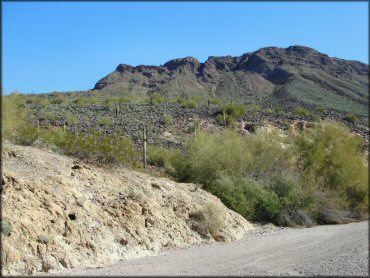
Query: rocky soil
x=59, y=213
x=131, y=118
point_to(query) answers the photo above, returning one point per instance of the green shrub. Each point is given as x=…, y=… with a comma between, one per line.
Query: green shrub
x=43, y=102
x=234, y=109
x=102, y=148
x=330, y=159
x=351, y=117
x=253, y=107
x=226, y=120
x=320, y=109
x=216, y=101
x=300, y=111
x=71, y=119
x=13, y=116
x=168, y=119
x=191, y=103
x=105, y=120
x=287, y=180
x=180, y=100
x=278, y=109
x=210, y=156
x=160, y=157
x=157, y=99
x=57, y=99
x=81, y=101
x=50, y=116
x=282, y=186
x=248, y=197
x=230, y=113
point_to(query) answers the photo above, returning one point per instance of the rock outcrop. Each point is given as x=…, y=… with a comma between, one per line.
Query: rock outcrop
x=59, y=213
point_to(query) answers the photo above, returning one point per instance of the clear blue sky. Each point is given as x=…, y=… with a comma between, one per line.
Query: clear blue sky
x=69, y=46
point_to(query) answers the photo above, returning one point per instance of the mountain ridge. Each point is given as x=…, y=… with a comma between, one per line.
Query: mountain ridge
x=284, y=76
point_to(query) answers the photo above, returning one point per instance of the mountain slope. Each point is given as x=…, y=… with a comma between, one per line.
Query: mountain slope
x=271, y=76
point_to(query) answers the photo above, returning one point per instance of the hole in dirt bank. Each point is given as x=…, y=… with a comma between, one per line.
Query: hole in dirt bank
x=72, y=216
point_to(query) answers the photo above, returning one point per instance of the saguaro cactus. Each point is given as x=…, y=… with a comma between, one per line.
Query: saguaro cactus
x=144, y=146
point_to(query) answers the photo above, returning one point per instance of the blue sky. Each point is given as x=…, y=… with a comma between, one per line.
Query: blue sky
x=66, y=46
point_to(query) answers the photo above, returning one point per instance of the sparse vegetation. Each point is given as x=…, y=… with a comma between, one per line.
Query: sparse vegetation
x=208, y=220
x=300, y=111
x=191, y=103
x=216, y=101
x=106, y=121
x=230, y=113
x=157, y=99
x=351, y=117
x=168, y=119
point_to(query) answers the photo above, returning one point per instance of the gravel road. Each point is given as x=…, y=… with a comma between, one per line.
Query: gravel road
x=338, y=250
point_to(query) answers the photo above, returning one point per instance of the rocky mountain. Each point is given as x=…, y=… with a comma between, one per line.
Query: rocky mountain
x=270, y=77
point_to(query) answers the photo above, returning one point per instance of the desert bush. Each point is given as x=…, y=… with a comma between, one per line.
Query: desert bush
x=180, y=100
x=43, y=102
x=300, y=111
x=160, y=157
x=208, y=220
x=71, y=119
x=157, y=99
x=101, y=148
x=216, y=101
x=330, y=159
x=226, y=120
x=50, y=116
x=272, y=154
x=252, y=107
x=81, y=101
x=168, y=119
x=320, y=108
x=191, y=103
x=278, y=109
x=109, y=102
x=249, y=198
x=105, y=120
x=57, y=99
x=279, y=178
x=209, y=156
x=230, y=113
x=13, y=115
x=234, y=109
x=351, y=117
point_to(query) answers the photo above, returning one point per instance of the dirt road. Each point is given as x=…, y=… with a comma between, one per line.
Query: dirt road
x=323, y=250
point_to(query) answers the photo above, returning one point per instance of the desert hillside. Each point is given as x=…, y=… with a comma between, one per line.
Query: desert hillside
x=270, y=76
x=59, y=213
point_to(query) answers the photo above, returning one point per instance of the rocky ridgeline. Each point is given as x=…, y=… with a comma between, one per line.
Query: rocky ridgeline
x=293, y=76
x=59, y=214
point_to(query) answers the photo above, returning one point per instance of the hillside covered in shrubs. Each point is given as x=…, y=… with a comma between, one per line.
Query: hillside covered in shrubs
x=315, y=175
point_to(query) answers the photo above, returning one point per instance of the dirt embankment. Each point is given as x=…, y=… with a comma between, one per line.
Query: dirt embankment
x=60, y=214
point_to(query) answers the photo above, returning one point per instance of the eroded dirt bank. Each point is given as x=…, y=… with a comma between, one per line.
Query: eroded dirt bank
x=60, y=214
